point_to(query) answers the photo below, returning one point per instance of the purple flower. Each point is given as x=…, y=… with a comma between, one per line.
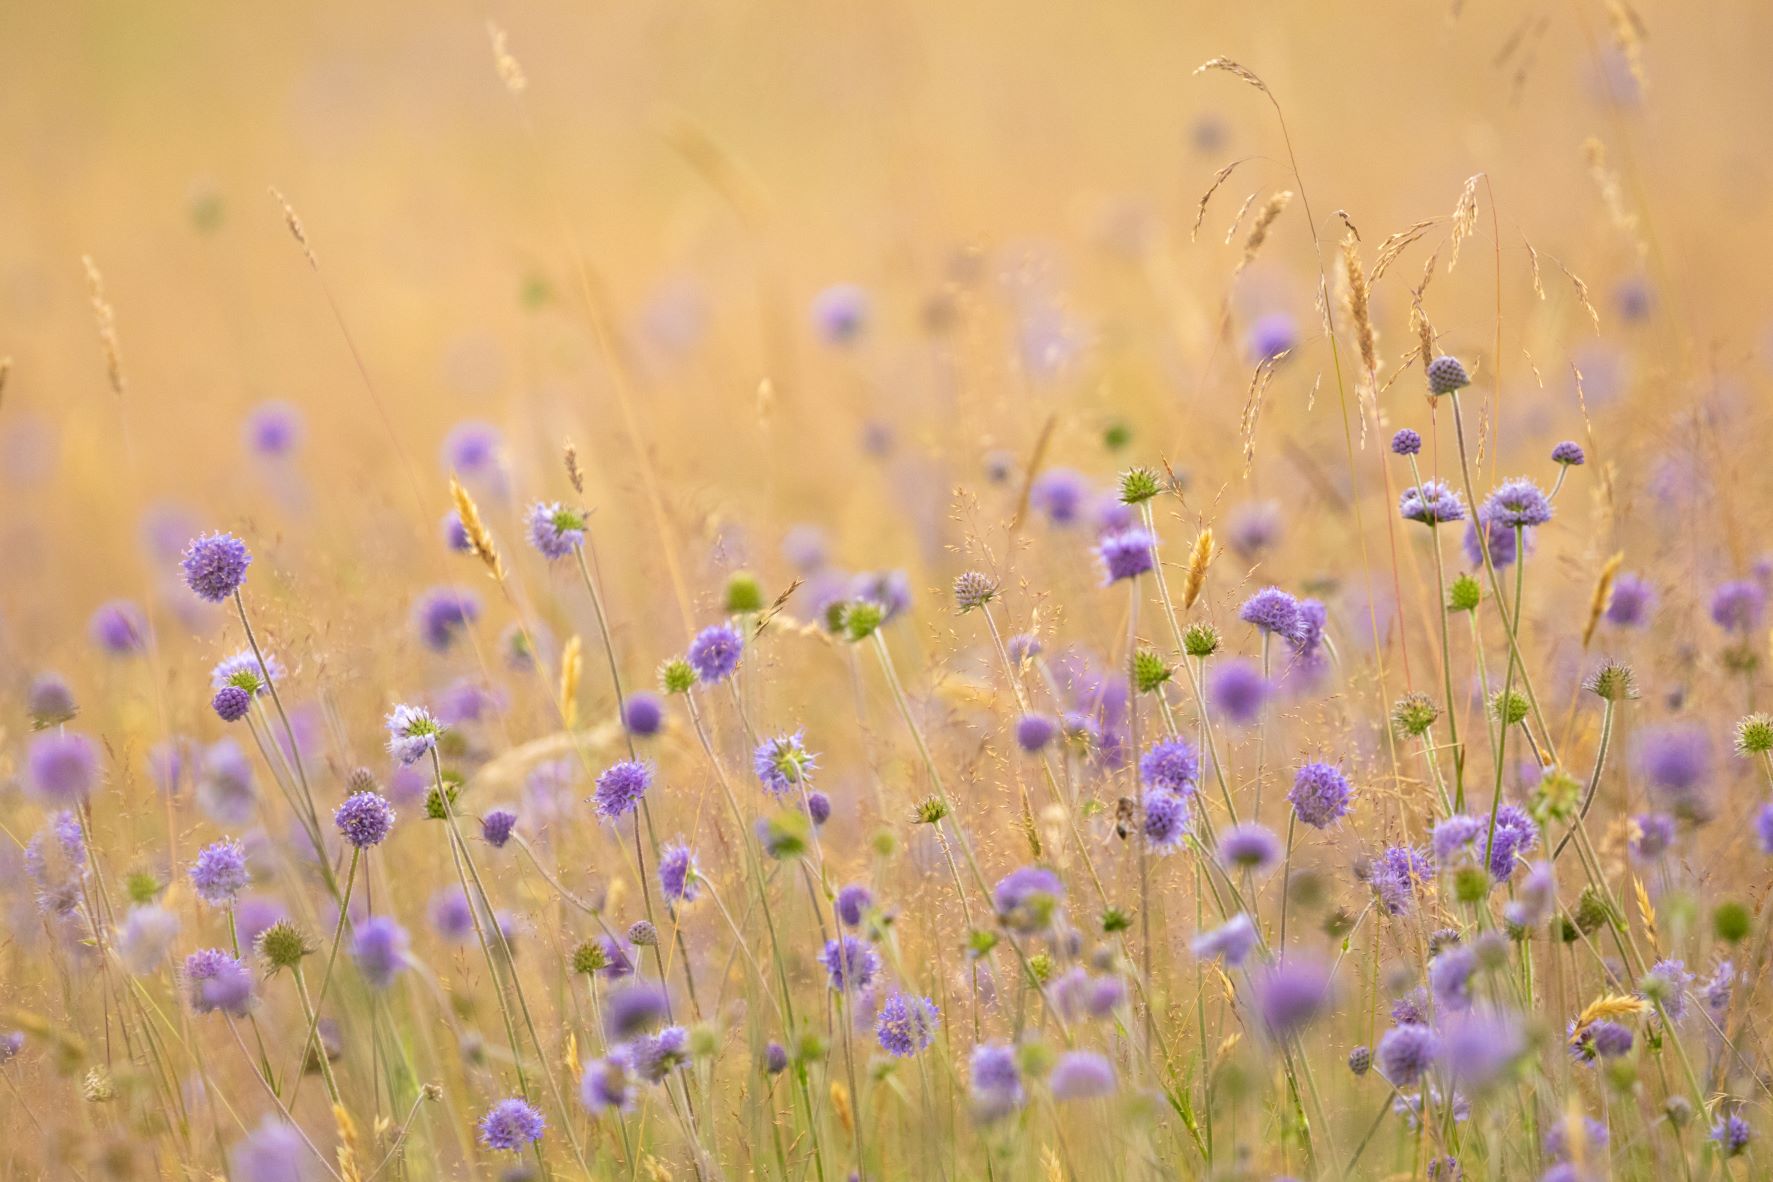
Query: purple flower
x=1232, y=941
x=995, y=1081
x=906, y=1024
x=1273, y=611
x=1166, y=820
x=1126, y=555
x=455, y=534
x=231, y=703
x=472, y=448
x=1592, y=1133
x=1431, y=503
x=1499, y=539
x=1027, y=900
x=1034, y=731
x=62, y=767
x=1764, y=828
x=714, y=653
x=1515, y=835
x=1249, y=846
x=1535, y=898
x=452, y=915
x=1666, y=985
x=511, y=1125
x=607, y=1083
x=1290, y=994
x=555, y=531
x=1449, y=977
x=215, y=566
x=652, y=1057
x=1171, y=764
x=1445, y=375
x=1081, y=1075
x=635, y=1009
x=1516, y=504
x=853, y=902
x=1675, y=761
x=219, y=873
x=1478, y=1048
x=443, y=613
x=840, y=313
x=1237, y=691
x=1058, y=493
x=1271, y=335
x=1568, y=453
x=364, y=819
x=496, y=827
x=1731, y=1133
x=621, y=787
x=412, y=733
x=783, y=762
x=244, y=671
x=217, y=981
x=1739, y=605
x=49, y=701
x=1320, y=795
x=679, y=877
x=273, y=429
x=273, y=1152
x=1395, y=876
x=1406, y=443
x=850, y=962
x=1406, y=1053
x=379, y=949
x=818, y=807
x=1253, y=527
x=643, y=714
x=119, y=628
x=1632, y=601
x=1655, y=833
x=1601, y=1039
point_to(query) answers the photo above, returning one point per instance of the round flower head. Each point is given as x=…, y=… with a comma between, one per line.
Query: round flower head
x=1446, y=374
x=379, y=949
x=511, y=1125
x=62, y=767
x=840, y=313
x=1271, y=335
x=217, y=981
x=1395, y=876
x=473, y=449
x=1406, y=443
x=818, y=807
x=219, y=873
x=608, y=1083
x=444, y=613
x=621, y=787
x=1081, y=1075
x=1059, y=494
x=1533, y=902
x=1125, y=555
x=1568, y=453
x=1601, y=1039
x=1517, y=504
x=496, y=827
x=1732, y=1134
x=850, y=963
x=215, y=566
x=554, y=530
x=635, y=1008
x=714, y=653
x=1165, y=820
x=973, y=589
x=1320, y=795
x=1632, y=601
x=273, y=429
x=1666, y=985
x=119, y=628
x=364, y=819
x=1034, y=731
x=455, y=534
x=643, y=714
x=1232, y=941
x=783, y=762
x=49, y=701
x=1249, y=846
x=679, y=878
x=995, y=1080
x=1449, y=977
x=906, y=1024
x=412, y=733
x=1431, y=503
x=654, y=1056
x=1027, y=900
x=1290, y=994
x=1738, y=606
x=1273, y=611
x=244, y=671
x=1655, y=833
x=1237, y=691
x=1515, y=835
x=1406, y=1053
x=1171, y=764
x=231, y=703
x=853, y=902
x=1498, y=539
x=274, y=1152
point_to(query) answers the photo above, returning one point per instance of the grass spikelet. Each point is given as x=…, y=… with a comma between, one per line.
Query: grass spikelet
x=1628, y=36
x=296, y=229
x=1051, y=1165
x=571, y=667
x=1607, y=1008
x=1581, y=289
x=1465, y=216
x=1200, y=210
x=348, y=1144
x=105, y=317
x=1228, y=66
x=1253, y=405
x=1358, y=298
x=1533, y=258
x=510, y=71
x=1265, y=219
x=840, y=1104
x=1646, y=909
x=1393, y=247
x=570, y=456
x=479, y=537
x=1603, y=591
x=1199, y=559
x=1594, y=155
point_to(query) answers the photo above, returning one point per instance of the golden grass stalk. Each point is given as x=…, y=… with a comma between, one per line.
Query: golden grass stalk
x=1465, y=216
x=1359, y=299
x=1198, y=560
x=1200, y=210
x=295, y=227
x=572, y=665
x=1603, y=593
x=510, y=70
x=348, y=1142
x=1613, y=1005
x=1265, y=218
x=105, y=317
x=479, y=537
x=574, y=473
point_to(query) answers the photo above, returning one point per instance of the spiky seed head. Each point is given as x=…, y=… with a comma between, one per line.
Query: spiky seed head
x=1150, y=670
x=1040, y=968
x=1471, y=885
x=1508, y=706
x=642, y=934
x=1138, y=485
x=1115, y=920
x=980, y=942
x=930, y=811
x=1414, y=714
x=1464, y=595
x=435, y=807
x=589, y=957
x=142, y=886
x=1447, y=374
x=360, y=780
x=1591, y=911
x=1740, y=658
x=1116, y=435
x=1201, y=640
x=744, y=594
x=861, y=619
x=1612, y=682
x=973, y=589
x=1731, y=921
x=1555, y=798
x=1754, y=735
x=677, y=676
x=282, y=945
x=431, y=1092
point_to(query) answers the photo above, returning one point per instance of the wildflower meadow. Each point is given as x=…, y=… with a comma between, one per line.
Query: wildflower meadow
x=926, y=591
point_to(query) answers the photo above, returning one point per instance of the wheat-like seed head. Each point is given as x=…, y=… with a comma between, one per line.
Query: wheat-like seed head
x=1603, y=591
x=1199, y=559
x=572, y=664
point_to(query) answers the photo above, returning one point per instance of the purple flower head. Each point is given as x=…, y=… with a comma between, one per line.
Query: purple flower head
x=219, y=873
x=1396, y=876
x=643, y=714
x=818, y=807
x=365, y=819
x=1249, y=846
x=1059, y=495
x=1081, y=1075
x=1446, y=374
x=1449, y=977
x=1732, y=1134
x=1764, y=828
x=49, y=701
x=654, y=1056
x=1171, y=764
x=55, y=858
x=840, y=314
x=496, y=827
x=554, y=530
x=1406, y=1053
x=995, y=1081
x=273, y=429
x=1034, y=731
x=1535, y=898
x=1739, y=605
x=244, y=671
x=1271, y=335
x=1516, y=835
x=1632, y=601
x=1655, y=834
x=217, y=981
x=1568, y=453
x=273, y=1152
x=679, y=878
x=1232, y=941
x=714, y=653
x=1406, y=443
x=379, y=949
x=455, y=534
x=634, y=1009
x=1591, y=1138
x=853, y=902
x=1253, y=527
x=890, y=590
x=412, y=733
x=783, y=763
x=1320, y=795
x=62, y=766
x=231, y=703
x=1308, y=642
x=473, y=449
x=1499, y=539
x=253, y=914
x=1667, y=985
x=1273, y=611
x=850, y=963
x=607, y=1084
x=1237, y=691
x=215, y=566
x=452, y=915
x=1166, y=820
x=906, y=1024
x=1600, y=1039
x=1290, y=994
x=1126, y=555
x=621, y=787
x=1028, y=900
x=805, y=548
x=1478, y=1048
x=1516, y=504
x=1675, y=761
x=444, y=613
x=1431, y=503
x=511, y=1125
x=119, y=628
